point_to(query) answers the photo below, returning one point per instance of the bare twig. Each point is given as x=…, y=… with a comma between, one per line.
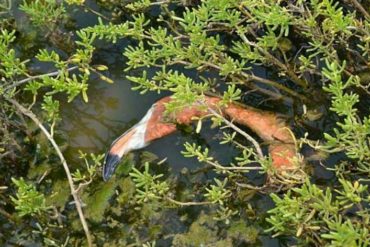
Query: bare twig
x=7, y=215
x=243, y=133
x=74, y=193
x=232, y=168
x=276, y=61
x=82, y=185
x=360, y=8
x=18, y=83
x=187, y=203
x=248, y=186
x=275, y=84
x=96, y=13
x=4, y=154
x=249, y=77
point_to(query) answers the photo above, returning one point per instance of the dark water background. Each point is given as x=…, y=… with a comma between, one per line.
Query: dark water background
x=113, y=108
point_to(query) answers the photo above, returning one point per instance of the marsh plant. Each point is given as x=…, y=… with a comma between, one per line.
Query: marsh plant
x=315, y=58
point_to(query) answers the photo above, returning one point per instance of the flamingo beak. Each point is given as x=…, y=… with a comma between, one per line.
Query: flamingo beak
x=110, y=164
x=121, y=146
x=132, y=139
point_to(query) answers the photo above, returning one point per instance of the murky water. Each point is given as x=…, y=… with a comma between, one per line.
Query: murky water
x=113, y=108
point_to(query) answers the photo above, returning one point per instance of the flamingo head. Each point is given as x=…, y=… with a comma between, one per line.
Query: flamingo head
x=121, y=146
x=132, y=139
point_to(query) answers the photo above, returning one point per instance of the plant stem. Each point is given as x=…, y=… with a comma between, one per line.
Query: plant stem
x=360, y=8
x=275, y=61
x=7, y=215
x=249, y=77
x=243, y=133
x=187, y=203
x=18, y=83
x=277, y=85
x=74, y=193
x=96, y=13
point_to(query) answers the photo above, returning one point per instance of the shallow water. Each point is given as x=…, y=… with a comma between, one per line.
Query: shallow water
x=113, y=108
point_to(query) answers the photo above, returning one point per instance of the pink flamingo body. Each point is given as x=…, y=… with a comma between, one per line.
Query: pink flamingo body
x=154, y=126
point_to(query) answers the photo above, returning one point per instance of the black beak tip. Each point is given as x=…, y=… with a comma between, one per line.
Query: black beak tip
x=110, y=163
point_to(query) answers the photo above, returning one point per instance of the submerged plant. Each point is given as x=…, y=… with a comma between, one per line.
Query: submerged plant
x=148, y=186
x=28, y=200
x=319, y=215
x=309, y=54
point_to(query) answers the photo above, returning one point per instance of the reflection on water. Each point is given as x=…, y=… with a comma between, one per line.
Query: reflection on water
x=112, y=109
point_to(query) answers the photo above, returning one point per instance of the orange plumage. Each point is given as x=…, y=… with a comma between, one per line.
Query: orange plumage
x=154, y=125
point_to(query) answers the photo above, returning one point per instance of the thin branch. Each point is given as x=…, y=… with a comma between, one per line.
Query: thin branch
x=4, y=154
x=74, y=193
x=232, y=168
x=273, y=95
x=96, y=13
x=18, y=83
x=275, y=61
x=264, y=81
x=360, y=8
x=159, y=3
x=243, y=133
x=248, y=186
x=6, y=214
x=187, y=203
x=277, y=85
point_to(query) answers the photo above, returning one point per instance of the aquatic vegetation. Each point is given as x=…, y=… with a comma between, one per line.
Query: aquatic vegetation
x=319, y=214
x=306, y=60
x=28, y=201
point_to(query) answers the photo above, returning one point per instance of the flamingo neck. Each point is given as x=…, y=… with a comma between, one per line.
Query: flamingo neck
x=134, y=138
x=152, y=126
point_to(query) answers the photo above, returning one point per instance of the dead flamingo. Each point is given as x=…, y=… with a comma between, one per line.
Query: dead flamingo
x=154, y=126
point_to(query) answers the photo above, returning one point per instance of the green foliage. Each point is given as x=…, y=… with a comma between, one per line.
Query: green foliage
x=138, y=5
x=346, y=234
x=309, y=210
x=193, y=150
x=19, y=81
x=202, y=48
x=147, y=185
x=218, y=193
x=98, y=201
x=232, y=94
x=5, y=6
x=204, y=231
x=44, y=12
x=274, y=16
x=92, y=163
x=353, y=135
x=10, y=65
x=77, y=2
x=28, y=201
x=201, y=232
x=51, y=107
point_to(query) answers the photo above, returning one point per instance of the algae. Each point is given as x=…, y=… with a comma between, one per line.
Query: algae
x=239, y=232
x=201, y=233
x=206, y=231
x=59, y=195
x=98, y=202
